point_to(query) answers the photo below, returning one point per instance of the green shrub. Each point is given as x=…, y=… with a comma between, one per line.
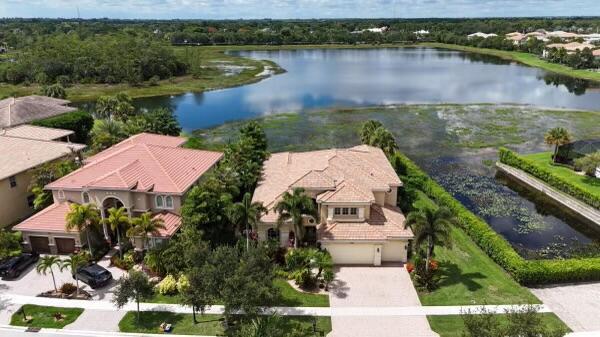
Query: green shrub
x=526, y=272
x=79, y=122
x=168, y=286
x=183, y=283
x=68, y=288
x=510, y=158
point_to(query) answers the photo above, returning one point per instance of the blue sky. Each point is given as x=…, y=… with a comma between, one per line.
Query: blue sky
x=278, y=9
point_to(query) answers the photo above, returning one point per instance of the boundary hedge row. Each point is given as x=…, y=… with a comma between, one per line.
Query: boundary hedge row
x=526, y=272
x=79, y=122
x=511, y=158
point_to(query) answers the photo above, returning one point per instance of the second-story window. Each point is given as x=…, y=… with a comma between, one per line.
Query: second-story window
x=337, y=211
x=159, y=201
x=345, y=211
x=13, y=181
x=85, y=196
x=168, y=201
x=353, y=211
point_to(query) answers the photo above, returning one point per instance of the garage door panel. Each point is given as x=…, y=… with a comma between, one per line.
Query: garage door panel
x=346, y=253
x=40, y=244
x=394, y=251
x=65, y=245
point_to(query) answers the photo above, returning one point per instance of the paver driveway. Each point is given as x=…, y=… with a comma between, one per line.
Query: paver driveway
x=578, y=305
x=387, y=286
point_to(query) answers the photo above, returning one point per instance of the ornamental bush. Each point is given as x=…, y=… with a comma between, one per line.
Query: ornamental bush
x=526, y=272
x=168, y=286
x=510, y=158
x=182, y=284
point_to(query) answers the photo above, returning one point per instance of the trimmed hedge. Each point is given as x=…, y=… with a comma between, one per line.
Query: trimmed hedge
x=526, y=272
x=79, y=122
x=511, y=158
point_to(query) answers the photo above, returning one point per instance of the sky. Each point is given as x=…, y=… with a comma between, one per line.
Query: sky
x=300, y=9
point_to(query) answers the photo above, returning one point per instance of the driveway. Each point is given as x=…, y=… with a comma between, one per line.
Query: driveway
x=387, y=286
x=578, y=305
x=31, y=283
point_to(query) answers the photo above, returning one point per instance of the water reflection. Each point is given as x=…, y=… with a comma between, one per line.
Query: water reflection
x=359, y=77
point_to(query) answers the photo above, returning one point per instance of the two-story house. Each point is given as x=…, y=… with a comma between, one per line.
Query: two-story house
x=355, y=191
x=144, y=173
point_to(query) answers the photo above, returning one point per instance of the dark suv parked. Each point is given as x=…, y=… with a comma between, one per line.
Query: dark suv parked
x=94, y=275
x=14, y=266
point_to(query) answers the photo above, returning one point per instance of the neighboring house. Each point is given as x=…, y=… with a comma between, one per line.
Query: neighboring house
x=569, y=47
x=355, y=192
x=22, y=110
x=144, y=173
x=24, y=148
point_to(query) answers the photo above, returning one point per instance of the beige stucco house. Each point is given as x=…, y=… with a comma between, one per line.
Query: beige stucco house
x=144, y=173
x=355, y=192
x=22, y=149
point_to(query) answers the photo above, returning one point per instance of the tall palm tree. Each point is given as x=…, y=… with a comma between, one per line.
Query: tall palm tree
x=73, y=263
x=384, y=140
x=292, y=208
x=117, y=219
x=368, y=129
x=431, y=227
x=557, y=136
x=46, y=263
x=83, y=218
x=106, y=132
x=144, y=225
x=245, y=214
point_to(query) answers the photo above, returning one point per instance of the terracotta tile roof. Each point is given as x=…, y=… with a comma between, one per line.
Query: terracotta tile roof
x=141, y=164
x=359, y=171
x=22, y=154
x=171, y=221
x=50, y=219
x=15, y=111
x=347, y=192
x=385, y=223
x=35, y=132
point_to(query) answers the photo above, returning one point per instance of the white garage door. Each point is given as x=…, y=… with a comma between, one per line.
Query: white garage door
x=348, y=253
x=394, y=251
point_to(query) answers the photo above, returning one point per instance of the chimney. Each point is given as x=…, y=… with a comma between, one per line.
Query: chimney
x=10, y=111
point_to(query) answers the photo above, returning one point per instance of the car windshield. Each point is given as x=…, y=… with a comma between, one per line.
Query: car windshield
x=96, y=270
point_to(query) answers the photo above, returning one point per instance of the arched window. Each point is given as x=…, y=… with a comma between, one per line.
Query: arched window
x=273, y=234
x=169, y=201
x=85, y=196
x=159, y=201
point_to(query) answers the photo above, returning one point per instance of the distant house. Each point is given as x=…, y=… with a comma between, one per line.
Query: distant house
x=23, y=110
x=516, y=37
x=24, y=148
x=371, y=30
x=144, y=173
x=569, y=152
x=571, y=47
x=562, y=35
x=355, y=193
x=482, y=35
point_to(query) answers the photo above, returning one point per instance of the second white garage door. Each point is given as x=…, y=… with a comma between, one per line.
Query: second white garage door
x=351, y=253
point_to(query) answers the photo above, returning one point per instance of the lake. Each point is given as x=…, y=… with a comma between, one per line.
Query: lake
x=328, y=78
x=454, y=144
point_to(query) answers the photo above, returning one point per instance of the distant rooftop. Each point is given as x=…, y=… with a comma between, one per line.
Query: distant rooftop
x=35, y=132
x=21, y=110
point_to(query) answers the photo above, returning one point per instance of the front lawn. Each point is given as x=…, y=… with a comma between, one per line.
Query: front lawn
x=291, y=297
x=44, y=317
x=167, y=299
x=453, y=326
x=544, y=160
x=469, y=276
x=209, y=325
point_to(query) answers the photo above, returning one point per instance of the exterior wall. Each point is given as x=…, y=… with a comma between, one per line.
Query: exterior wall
x=392, y=197
x=51, y=236
x=379, y=198
x=284, y=232
x=395, y=251
x=13, y=200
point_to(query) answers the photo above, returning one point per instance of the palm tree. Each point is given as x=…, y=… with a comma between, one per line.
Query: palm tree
x=144, y=225
x=117, y=218
x=557, y=136
x=83, y=218
x=384, y=140
x=107, y=132
x=292, y=208
x=73, y=263
x=246, y=214
x=368, y=129
x=432, y=227
x=46, y=263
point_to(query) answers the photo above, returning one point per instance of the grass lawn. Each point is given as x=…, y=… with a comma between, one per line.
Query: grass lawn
x=167, y=299
x=543, y=159
x=43, y=317
x=290, y=297
x=210, y=325
x=525, y=58
x=453, y=326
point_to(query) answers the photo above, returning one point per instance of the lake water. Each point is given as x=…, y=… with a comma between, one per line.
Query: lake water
x=360, y=77
x=321, y=79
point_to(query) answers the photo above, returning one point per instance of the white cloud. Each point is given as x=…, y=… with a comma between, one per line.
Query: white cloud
x=218, y=9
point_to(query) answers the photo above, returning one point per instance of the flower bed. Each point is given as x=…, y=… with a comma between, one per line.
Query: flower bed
x=526, y=272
